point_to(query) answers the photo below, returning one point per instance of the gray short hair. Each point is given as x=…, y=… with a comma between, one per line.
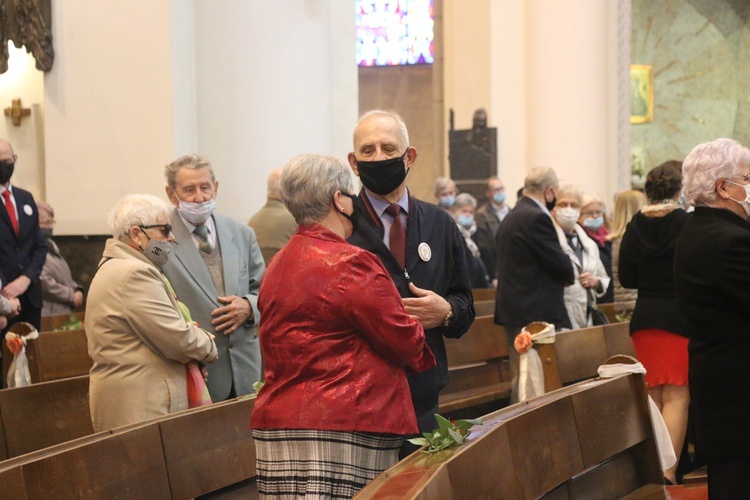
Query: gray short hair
x=442, y=183
x=191, y=162
x=402, y=132
x=571, y=189
x=136, y=210
x=464, y=200
x=539, y=179
x=308, y=183
x=709, y=162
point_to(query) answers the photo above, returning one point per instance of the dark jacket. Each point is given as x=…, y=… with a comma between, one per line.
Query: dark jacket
x=23, y=254
x=646, y=263
x=712, y=278
x=532, y=269
x=445, y=273
x=487, y=224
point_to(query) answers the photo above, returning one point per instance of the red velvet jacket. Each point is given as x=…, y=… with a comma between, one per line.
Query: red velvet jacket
x=336, y=341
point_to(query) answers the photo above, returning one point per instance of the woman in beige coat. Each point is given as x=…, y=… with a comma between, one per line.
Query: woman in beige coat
x=137, y=338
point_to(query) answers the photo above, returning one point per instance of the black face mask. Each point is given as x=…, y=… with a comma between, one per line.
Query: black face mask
x=6, y=171
x=354, y=217
x=46, y=232
x=384, y=176
x=550, y=204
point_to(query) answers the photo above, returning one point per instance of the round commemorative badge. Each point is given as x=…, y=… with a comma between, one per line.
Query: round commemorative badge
x=425, y=252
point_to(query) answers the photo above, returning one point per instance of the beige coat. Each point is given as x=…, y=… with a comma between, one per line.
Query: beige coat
x=58, y=285
x=273, y=226
x=138, y=341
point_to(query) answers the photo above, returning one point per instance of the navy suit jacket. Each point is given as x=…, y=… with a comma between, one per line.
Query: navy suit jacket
x=445, y=272
x=23, y=254
x=532, y=269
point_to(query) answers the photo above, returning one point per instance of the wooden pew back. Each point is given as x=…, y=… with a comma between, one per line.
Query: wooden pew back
x=45, y=414
x=50, y=323
x=180, y=456
x=479, y=367
x=482, y=294
x=593, y=439
x=577, y=354
x=54, y=355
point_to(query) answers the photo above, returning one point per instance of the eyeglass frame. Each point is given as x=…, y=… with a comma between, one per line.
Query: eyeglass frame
x=166, y=229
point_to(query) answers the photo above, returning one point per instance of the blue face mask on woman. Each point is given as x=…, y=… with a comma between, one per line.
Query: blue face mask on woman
x=447, y=201
x=465, y=221
x=594, y=223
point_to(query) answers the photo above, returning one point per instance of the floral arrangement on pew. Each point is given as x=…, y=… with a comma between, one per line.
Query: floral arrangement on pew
x=72, y=324
x=448, y=434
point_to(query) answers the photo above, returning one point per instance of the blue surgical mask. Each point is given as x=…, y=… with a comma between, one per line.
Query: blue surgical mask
x=447, y=201
x=465, y=221
x=499, y=198
x=594, y=223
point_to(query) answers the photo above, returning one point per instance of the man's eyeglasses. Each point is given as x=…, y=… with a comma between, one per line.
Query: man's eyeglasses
x=164, y=228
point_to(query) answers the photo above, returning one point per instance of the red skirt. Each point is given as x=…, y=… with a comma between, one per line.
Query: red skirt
x=664, y=355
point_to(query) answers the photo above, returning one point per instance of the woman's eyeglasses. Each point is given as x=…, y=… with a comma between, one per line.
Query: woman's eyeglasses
x=164, y=228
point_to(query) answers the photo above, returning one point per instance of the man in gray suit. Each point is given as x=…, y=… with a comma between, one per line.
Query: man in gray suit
x=215, y=270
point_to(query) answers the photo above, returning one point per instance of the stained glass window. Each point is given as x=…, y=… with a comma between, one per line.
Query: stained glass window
x=395, y=32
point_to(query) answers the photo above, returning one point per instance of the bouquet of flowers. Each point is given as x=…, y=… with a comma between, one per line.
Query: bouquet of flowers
x=449, y=433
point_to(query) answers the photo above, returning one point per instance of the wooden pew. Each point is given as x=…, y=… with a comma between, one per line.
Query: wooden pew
x=577, y=354
x=590, y=440
x=481, y=294
x=609, y=310
x=479, y=367
x=50, y=323
x=484, y=307
x=42, y=415
x=54, y=355
x=186, y=454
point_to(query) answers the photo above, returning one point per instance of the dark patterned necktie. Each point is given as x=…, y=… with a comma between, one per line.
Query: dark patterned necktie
x=397, y=234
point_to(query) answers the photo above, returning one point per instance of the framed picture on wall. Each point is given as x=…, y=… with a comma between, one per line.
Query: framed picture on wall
x=641, y=93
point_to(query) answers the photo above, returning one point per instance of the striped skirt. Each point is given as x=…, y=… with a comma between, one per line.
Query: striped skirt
x=320, y=464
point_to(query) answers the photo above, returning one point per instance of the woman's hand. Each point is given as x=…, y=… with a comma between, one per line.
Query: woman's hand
x=588, y=280
x=522, y=342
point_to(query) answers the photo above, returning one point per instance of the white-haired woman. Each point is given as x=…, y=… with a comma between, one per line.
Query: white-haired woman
x=594, y=222
x=463, y=210
x=712, y=278
x=137, y=337
x=591, y=277
x=336, y=344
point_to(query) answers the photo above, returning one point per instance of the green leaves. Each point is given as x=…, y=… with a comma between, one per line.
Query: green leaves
x=257, y=385
x=449, y=433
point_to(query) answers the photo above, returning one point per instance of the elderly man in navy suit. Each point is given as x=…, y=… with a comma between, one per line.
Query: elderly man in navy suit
x=22, y=246
x=531, y=267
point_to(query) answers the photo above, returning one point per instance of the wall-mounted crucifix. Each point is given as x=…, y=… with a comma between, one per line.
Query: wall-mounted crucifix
x=16, y=112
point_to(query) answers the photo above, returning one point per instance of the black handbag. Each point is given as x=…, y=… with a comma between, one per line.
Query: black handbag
x=598, y=317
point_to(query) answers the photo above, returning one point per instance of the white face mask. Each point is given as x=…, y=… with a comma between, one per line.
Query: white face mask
x=567, y=217
x=746, y=202
x=196, y=213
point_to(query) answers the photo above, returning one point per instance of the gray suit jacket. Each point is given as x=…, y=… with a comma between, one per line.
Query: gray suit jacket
x=239, y=353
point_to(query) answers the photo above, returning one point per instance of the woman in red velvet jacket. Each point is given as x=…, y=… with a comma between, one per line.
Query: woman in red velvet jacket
x=336, y=346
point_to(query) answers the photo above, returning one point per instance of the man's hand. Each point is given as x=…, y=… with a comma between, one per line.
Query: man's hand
x=429, y=308
x=77, y=299
x=230, y=317
x=17, y=287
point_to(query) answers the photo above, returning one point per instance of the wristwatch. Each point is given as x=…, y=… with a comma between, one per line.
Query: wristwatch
x=449, y=318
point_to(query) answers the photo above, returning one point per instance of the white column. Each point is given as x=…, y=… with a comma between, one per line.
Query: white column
x=274, y=79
